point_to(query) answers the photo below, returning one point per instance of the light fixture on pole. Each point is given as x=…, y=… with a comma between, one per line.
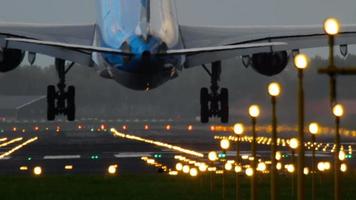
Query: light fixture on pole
x=254, y=112
x=274, y=90
x=212, y=156
x=238, y=130
x=294, y=145
x=225, y=145
x=314, y=130
x=301, y=62
x=332, y=28
x=338, y=111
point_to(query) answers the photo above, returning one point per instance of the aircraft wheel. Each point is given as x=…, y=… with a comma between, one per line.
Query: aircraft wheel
x=51, y=103
x=204, y=103
x=224, y=105
x=71, y=103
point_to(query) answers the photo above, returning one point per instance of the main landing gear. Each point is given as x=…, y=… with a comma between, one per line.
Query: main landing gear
x=61, y=101
x=215, y=103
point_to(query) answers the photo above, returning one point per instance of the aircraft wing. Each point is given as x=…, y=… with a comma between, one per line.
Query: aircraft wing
x=295, y=37
x=51, y=40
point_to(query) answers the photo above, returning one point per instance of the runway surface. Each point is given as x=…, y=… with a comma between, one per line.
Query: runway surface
x=89, y=147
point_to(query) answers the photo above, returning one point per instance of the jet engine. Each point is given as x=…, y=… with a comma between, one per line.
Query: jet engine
x=10, y=59
x=270, y=64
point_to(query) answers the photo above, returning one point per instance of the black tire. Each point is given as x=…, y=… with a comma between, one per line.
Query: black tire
x=51, y=103
x=224, y=105
x=71, y=103
x=204, y=105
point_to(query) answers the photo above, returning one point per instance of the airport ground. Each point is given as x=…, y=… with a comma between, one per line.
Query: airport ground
x=89, y=148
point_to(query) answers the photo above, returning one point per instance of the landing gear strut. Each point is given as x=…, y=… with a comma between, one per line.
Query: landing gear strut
x=61, y=101
x=215, y=103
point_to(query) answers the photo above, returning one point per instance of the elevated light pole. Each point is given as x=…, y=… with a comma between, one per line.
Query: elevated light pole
x=238, y=130
x=314, y=130
x=254, y=112
x=338, y=111
x=294, y=145
x=301, y=62
x=274, y=90
x=225, y=145
x=212, y=156
x=332, y=28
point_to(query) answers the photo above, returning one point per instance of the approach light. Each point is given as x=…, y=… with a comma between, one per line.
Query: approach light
x=193, y=172
x=274, y=89
x=261, y=167
x=225, y=144
x=239, y=129
x=342, y=155
x=343, y=167
x=254, y=111
x=301, y=61
x=294, y=143
x=228, y=166
x=186, y=169
x=112, y=169
x=338, y=110
x=238, y=169
x=314, y=128
x=249, y=171
x=331, y=26
x=291, y=168
x=278, y=155
x=37, y=171
x=179, y=167
x=213, y=156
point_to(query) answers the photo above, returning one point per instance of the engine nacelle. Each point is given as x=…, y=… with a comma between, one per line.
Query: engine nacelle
x=10, y=59
x=270, y=64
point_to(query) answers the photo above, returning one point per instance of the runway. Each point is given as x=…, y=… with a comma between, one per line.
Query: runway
x=89, y=147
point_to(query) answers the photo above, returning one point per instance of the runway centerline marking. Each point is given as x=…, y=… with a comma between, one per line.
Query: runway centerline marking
x=29, y=141
x=61, y=157
x=157, y=143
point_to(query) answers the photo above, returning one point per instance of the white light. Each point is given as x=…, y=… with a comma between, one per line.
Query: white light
x=112, y=169
x=278, y=155
x=342, y=155
x=179, y=166
x=331, y=26
x=306, y=170
x=225, y=144
x=213, y=156
x=238, y=129
x=238, y=169
x=321, y=166
x=193, y=172
x=294, y=143
x=203, y=167
x=290, y=168
x=301, y=61
x=314, y=128
x=343, y=167
x=254, y=111
x=279, y=166
x=186, y=169
x=261, y=167
x=274, y=89
x=228, y=166
x=37, y=171
x=249, y=171
x=338, y=110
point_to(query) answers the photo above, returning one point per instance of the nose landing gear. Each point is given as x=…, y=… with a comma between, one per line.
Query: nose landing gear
x=61, y=101
x=215, y=103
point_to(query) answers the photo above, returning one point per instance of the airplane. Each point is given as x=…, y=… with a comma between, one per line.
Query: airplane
x=141, y=45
